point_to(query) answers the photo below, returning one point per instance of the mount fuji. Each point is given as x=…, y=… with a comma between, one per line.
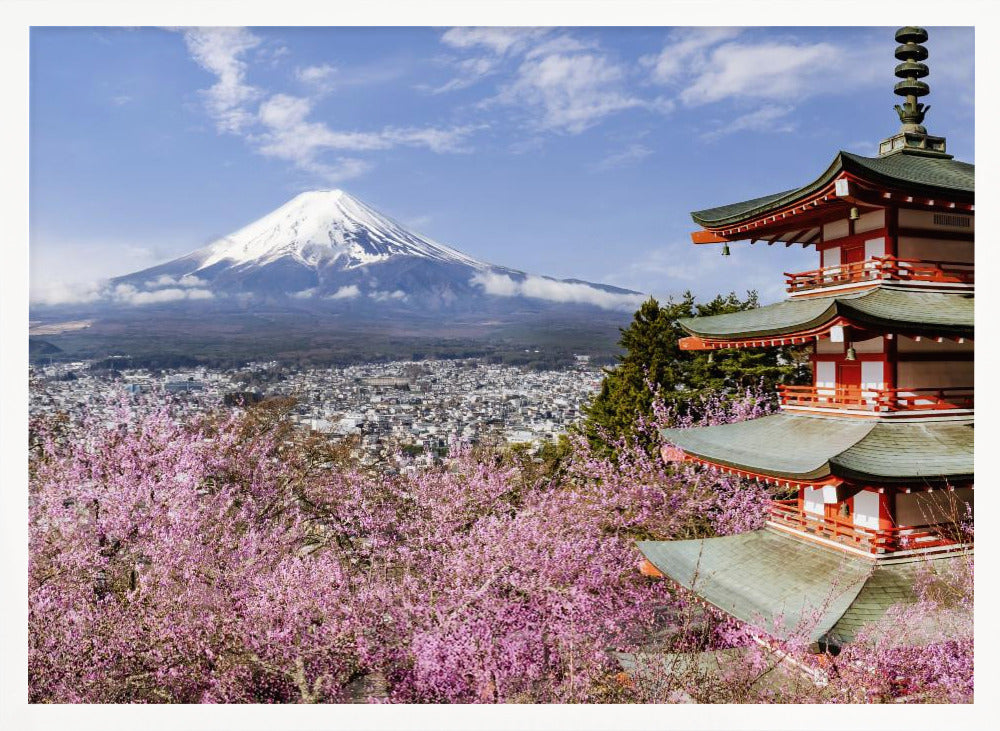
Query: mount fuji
x=326, y=249
x=326, y=278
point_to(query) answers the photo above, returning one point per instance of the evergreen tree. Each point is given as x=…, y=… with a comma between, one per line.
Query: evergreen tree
x=653, y=356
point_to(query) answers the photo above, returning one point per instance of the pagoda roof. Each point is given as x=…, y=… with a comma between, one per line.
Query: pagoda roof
x=788, y=586
x=908, y=171
x=884, y=307
x=808, y=448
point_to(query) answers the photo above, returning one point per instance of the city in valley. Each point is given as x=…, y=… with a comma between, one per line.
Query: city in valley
x=411, y=411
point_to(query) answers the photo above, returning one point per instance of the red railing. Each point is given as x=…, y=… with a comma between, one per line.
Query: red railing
x=878, y=400
x=881, y=268
x=789, y=514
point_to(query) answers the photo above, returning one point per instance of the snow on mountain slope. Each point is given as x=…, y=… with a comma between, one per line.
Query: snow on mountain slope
x=323, y=226
x=328, y=246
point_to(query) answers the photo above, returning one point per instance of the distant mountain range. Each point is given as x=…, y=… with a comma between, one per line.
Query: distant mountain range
x=326, y=278
x=328, y=249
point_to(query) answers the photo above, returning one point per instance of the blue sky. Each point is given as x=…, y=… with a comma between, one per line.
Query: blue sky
x=570, y=152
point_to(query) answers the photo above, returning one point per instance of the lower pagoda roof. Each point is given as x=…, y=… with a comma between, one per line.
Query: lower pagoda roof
x=807, y=448
x=883, y=307
x=789, y=587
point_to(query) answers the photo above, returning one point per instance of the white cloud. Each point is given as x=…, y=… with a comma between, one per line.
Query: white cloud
x=219, y=50
x=553, y=290
x=765, y=119
x=345, y=293
x=282, y=111
x=288, y=135
x=319, y=75
x=165, y=280
x=564, y=44
x=569, y=92
x=64, y=293
x=380, y=296
x=629, y=156
x=686, y=48
x=715, y=64
x=130, y=295
x=764, y=79
x=304, y=294
x=770, y=71
x=498, y=40
x=497, y=43
x=280, y=126
x=470, y=71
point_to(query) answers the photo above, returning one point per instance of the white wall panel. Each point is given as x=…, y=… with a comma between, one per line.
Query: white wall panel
x=813, y=501
x=826, y=373
x=870, y=221
x=866, y=509
x=872, y=374
x=875, y=247
x=835, y=230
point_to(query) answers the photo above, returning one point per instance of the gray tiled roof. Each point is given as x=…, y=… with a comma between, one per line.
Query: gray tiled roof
x=950, y=176
x=786, y=585
x=780, y=445
x=900, y=310
x=901, y=451
x=802, y=447
x=916, y=173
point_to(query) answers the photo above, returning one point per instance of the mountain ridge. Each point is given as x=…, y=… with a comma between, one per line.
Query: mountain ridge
x=332, y=248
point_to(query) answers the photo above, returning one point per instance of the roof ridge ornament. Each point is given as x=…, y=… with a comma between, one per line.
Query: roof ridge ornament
x=912, y=137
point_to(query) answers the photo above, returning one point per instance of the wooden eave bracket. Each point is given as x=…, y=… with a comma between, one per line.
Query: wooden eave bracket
x=706, y=237
x=692, y=342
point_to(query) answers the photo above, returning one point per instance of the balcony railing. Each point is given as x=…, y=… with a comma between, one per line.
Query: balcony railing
x=883, y=268
x=789, y=514
x=886, y=400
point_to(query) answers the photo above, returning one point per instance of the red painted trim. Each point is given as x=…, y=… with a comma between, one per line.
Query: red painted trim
x=706, y=237
x=892, y=230
x=646, y=568
x=863, y=272
x=770, y=479
x=865, y=194
x=890, y=345
x=840, y=358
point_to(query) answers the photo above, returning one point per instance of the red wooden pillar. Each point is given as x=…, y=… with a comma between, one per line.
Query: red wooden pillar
x=892, y=231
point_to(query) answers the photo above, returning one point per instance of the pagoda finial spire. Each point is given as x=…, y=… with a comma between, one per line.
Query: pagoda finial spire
x=912, y=137
x=911, y=53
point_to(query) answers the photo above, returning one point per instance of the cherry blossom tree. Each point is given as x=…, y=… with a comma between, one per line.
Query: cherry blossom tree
x=238, y=559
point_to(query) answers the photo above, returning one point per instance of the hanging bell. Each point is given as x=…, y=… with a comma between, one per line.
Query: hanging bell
x=725, y=249
x=850, y=355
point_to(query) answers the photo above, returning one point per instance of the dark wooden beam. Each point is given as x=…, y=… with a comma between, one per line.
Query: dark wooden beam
x=926, y=233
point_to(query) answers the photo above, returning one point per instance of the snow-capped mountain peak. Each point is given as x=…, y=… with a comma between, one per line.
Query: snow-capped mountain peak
x=331, y=249
x=320, y=227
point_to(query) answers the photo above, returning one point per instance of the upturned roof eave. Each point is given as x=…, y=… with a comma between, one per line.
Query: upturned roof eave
x=809, y=449
x=786, y=586
x=845, y=162
x=877, y=308
x=768, y=203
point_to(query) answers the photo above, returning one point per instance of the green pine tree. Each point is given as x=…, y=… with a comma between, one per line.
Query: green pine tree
x=653, y=355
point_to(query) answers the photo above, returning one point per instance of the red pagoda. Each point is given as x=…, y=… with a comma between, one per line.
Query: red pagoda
x=878, y=450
